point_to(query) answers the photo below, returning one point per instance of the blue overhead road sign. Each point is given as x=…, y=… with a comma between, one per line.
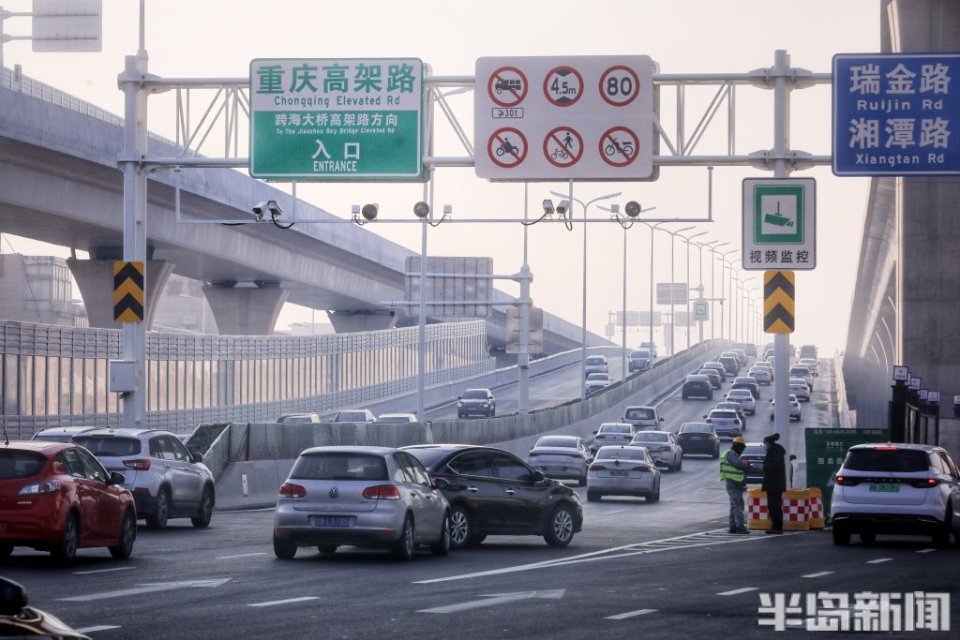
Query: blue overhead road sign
x=895, y=115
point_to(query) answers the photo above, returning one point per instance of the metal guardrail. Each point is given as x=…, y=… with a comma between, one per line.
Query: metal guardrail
x=846, y=417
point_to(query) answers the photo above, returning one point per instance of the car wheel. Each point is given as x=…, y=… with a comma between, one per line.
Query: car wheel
x=582, y=481
x=841, y=535
x=442, y=546
x=560, y=528
x=679, y=466
x=655, y=496
x=158, y=519
x=716, y=453
x=202, y=519
x=284, y=549
x=461, y=527
x=66, y=549
x=868, y=537
x=404, y=547
x=327, y=549
x=128, y=533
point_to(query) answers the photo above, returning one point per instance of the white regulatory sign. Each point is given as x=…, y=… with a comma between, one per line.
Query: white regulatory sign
x=558, y=118
x=779, y=224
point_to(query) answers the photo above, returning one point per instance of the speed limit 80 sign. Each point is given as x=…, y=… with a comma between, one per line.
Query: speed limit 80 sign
x=576, y=117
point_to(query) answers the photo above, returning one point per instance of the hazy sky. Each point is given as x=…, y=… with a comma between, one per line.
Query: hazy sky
x=218, y=38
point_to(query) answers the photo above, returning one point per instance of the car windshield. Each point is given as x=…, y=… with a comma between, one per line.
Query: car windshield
x=640, y=353
x=640, y=413
x=427, y=455
x=20, y=464
x=109, y=445
x=54, y=436
x=595, y=360
x=339, y=466
x=695, y=427
x=903, y=460
x=614, y=428
x=601, y=377
x=393, y=419
x=650, y=437
x=724, y=415
x=352, y=416
x=475, y=394
x=295, y=419
x=740, y=394
x=556, y=441
x=623, y=453
x=754, y=450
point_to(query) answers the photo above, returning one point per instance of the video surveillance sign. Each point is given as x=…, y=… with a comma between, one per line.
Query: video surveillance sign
x=335, y=119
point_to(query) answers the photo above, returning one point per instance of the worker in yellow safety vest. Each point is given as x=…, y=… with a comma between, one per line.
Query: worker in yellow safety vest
x=733, y=472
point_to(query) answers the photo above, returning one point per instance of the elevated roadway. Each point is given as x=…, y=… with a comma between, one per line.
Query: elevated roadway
x=59, y=183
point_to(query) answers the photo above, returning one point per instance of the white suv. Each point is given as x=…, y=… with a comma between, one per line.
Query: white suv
x=165, y=478
x=905, y=489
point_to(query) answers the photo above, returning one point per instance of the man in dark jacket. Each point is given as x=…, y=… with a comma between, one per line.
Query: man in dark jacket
x=774, y=481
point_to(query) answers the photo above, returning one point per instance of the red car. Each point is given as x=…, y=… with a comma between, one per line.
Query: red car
x=57, y=497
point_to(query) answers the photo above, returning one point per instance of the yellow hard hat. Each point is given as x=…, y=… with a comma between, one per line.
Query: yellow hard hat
x=739, y=440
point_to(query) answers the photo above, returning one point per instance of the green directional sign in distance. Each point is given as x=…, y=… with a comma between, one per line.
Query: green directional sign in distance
x=336, y=119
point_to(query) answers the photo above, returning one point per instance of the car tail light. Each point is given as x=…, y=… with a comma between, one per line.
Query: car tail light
x=39, y=488
x=290, y=490
x=642, y=468
x=924, y=483
x=847, y=481
x=138, y=465
x=884, y=447
x=597, y=467
x=382, y=492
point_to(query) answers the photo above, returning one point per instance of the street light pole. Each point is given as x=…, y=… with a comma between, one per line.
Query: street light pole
x=673, y=327
x=723, y=265
x=700, y=246
x=653, y=227
x=687, y=239
x=583, y=334
x=713, y=290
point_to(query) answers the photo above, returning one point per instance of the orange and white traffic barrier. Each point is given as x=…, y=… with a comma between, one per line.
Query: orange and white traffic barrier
x=758, y=514
x=815, y=509
x=795, y=510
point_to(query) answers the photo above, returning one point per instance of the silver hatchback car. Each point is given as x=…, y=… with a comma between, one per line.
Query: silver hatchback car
x=360, y=496
x=166, y=479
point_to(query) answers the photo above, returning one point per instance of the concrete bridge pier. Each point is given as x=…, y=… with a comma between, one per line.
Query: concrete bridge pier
x=242, y=310
x=95, y=279
x=362, y=320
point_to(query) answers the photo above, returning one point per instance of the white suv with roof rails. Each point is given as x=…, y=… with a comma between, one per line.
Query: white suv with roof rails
x=165, y=478
x=900, y=489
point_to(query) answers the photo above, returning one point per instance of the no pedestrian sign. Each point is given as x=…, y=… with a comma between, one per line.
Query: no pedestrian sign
x=336, y=119
x=583, y=117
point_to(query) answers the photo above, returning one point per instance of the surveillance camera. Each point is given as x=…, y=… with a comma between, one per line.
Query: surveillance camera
x=421, y=209
x=447, y=209
x=548, y=206
x=355, y=209
x=632, y=209
x=267, y=206
x=562, y=207
x=369, y=211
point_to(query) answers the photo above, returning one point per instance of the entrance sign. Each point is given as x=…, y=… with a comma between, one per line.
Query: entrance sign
x=896, y=114
x=779, y=224
x=587, y=117
x=336, y=119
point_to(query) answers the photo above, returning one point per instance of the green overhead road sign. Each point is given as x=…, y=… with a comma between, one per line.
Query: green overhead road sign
x=779, y=224
x=336, y=119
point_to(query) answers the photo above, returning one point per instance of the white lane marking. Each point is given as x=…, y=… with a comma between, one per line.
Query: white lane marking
x=818, y=574
x=630, y=614
x=102, y=627
x=242, y=555
x=494, y=599
x=623, y=551
x=931, y=549
x=87, y=573
x=288, y=601
x=736, y=592
x=147, y=588
x=879, y=560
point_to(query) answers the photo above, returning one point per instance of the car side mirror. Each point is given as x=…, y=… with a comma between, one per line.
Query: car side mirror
x=595, y=432
x=440, y=483
x=196, y=457
x=538, y=476
x=117, y=478
x=13, y=597
x=792, y=457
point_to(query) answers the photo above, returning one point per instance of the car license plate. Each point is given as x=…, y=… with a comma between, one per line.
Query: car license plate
x=886, y=487
x=553, y=469
x=619, y=473
x=332, y=522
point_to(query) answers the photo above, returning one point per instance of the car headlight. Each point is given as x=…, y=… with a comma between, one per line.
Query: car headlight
x=39, y=488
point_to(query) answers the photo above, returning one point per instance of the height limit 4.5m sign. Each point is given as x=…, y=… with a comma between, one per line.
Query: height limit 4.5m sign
x=336, y=119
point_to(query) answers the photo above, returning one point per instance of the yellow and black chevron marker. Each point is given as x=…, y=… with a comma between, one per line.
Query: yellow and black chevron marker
x=127, y=291
x=778, y=301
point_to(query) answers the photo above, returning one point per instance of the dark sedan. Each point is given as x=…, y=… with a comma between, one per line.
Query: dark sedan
x=754, y=453
x=492, y=492
x=699, y=438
